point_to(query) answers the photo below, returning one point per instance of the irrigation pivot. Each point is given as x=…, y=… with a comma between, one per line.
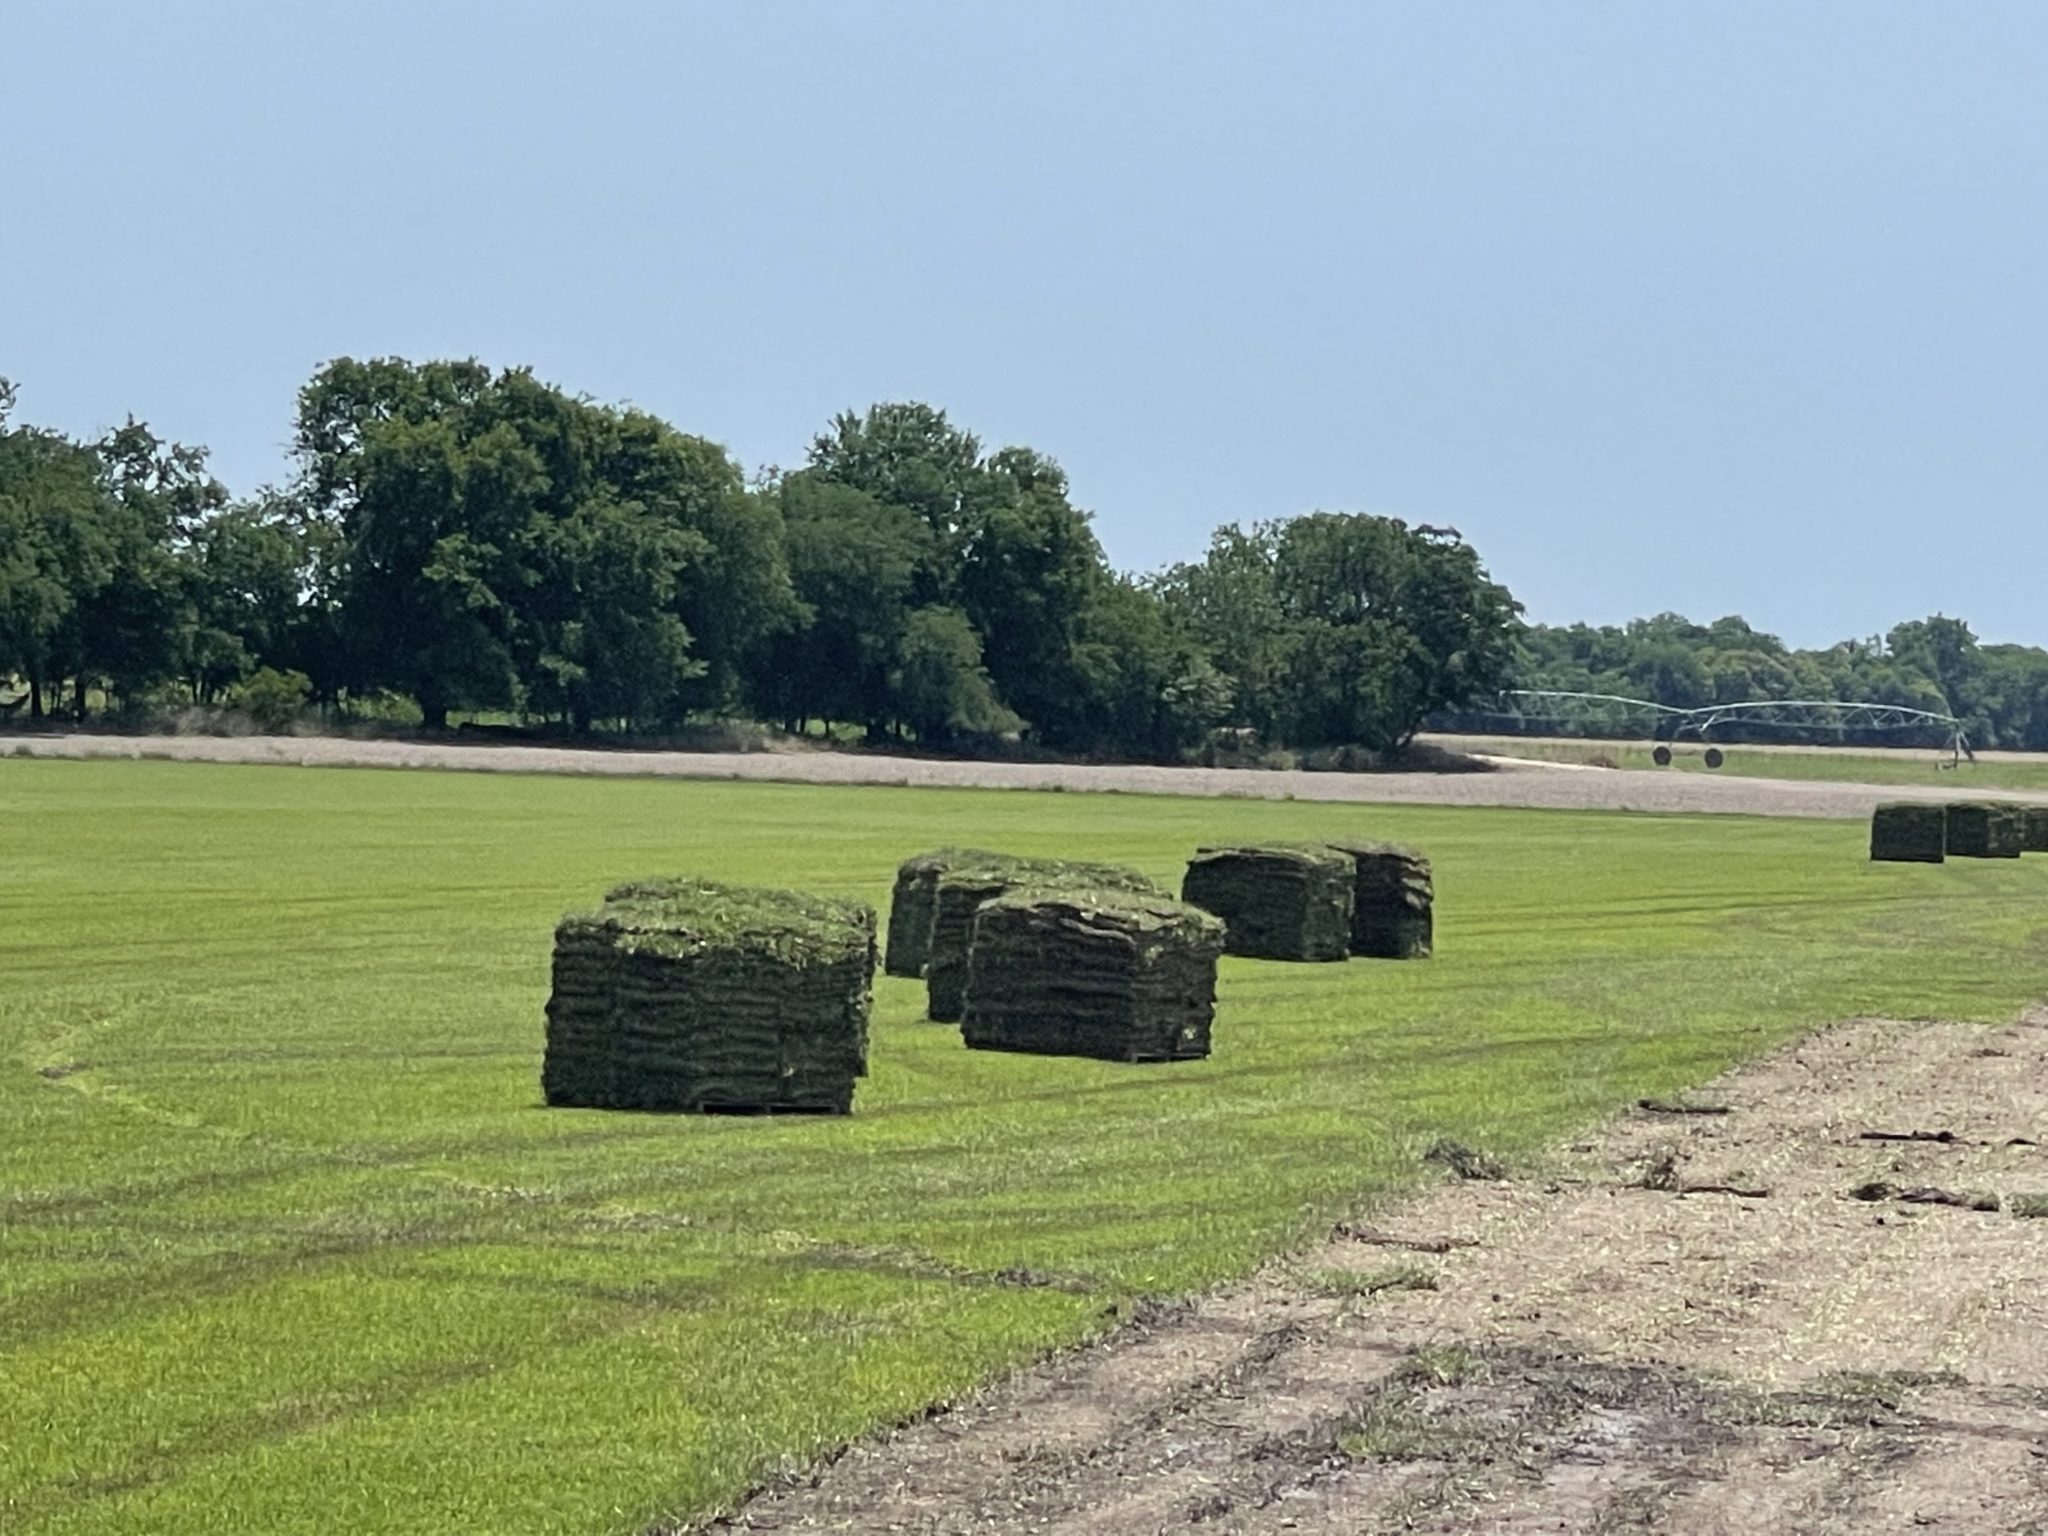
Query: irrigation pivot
x=1815, y=722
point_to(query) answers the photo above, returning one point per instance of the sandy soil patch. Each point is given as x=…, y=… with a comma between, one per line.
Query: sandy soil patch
x=1521, y=784
x=1691, y=1323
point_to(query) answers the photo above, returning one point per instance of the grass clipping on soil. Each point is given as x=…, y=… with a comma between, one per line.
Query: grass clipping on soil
x=687, y=995
x=1983, y=829
x=1392, y=901
x=1278, y=901
x=1909, y=832
x=1076, y=972
x=959, y=891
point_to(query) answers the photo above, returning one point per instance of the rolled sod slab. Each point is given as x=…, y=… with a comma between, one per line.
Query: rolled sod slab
x=1909, y=832
x=1115, y=975
x=1278, y=901
x=959, y=893
x=1393, y=899
x=910, y=905
x=687, y=995
x=1983, y=829
x=2034, y=829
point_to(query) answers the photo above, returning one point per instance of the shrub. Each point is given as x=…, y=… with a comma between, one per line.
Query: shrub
x=274, y=699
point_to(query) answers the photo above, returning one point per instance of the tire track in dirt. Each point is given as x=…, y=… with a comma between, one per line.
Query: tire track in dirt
x=1602, y=1346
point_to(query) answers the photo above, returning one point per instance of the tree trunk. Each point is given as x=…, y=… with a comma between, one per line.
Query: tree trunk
x=78, y=696
x=35, y=697
x=433, y=716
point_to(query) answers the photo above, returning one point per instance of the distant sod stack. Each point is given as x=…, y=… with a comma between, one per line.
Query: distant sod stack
x=2034, y=829
x=959, y=893
x=686, y=995
x=1983, y=829
x=1115, y=975
x=1392, y=901
x=1278, y=901
x=910, y=905
x=1909, y=832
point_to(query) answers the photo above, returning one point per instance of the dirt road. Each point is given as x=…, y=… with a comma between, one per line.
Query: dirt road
x=1687, y=1325
x=1533, y=785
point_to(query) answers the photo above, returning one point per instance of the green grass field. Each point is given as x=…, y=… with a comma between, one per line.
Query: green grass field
x=1835, y=764
x=291, y=1246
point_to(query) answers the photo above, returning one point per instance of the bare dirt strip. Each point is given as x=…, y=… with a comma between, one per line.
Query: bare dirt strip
x=1529, y=785
x=1689, y=1324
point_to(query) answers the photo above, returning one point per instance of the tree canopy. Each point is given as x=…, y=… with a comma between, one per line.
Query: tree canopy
x=479, y=541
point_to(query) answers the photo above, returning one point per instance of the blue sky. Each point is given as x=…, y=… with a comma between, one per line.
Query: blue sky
x=1711, y=307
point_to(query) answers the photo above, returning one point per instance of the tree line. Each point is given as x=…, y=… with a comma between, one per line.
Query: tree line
x=481, y=541
x=478, y=541
x=1998, y=692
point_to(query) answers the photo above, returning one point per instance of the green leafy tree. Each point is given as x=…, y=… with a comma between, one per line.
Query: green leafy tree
x=256, y=581
x=855, y=563
x=1145, y=687
x=943, y=691
x=1029, y=569
x=57, y=552
x=1341, y=628
x=612, y=646
x=1229, y=603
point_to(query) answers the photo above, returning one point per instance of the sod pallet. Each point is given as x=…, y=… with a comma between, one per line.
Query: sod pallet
x=910, y=905
x=1109, y=974
x=1278, y=901
x=1909, y=832
x=1393, y=898
x=1983, y=829
x=958, y=894
x=2034, y=829
x=687, y=995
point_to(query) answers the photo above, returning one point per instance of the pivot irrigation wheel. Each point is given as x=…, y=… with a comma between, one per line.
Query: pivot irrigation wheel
x=1713, y=758
x=1661, y=755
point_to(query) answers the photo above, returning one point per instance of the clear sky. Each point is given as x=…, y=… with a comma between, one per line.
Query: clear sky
x=1710, y=307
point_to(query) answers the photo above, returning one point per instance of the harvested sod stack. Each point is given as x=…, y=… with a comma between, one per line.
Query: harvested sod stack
x=2034, y=829
x=1278, y=901
x=1391, y=897
x=684, y=995
x=1075, y=972
x=1983, y=829
x=910, y=905
x=1909, y=832
x=960, y=891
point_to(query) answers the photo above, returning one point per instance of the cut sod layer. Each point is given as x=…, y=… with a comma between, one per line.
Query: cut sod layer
x=1983, y=829
x=959, y=893
x=1278, y=901
x=1109, y=974
x=2034, y=829
x=910, y=904
x=686, y=995
x=1909, y=832
x=1392, y=898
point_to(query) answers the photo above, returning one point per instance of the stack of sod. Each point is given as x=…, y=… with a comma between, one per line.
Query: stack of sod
x=1983, y=829
x=961, y=890
x=1278, y=901
x=910, y=905
x=1111, y=974
x=2034, y=829
x=685, y=995
x=1391, y=896
x=1909, y=832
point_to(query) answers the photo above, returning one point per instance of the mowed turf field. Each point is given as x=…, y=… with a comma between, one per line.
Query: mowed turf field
x=290, y=1244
